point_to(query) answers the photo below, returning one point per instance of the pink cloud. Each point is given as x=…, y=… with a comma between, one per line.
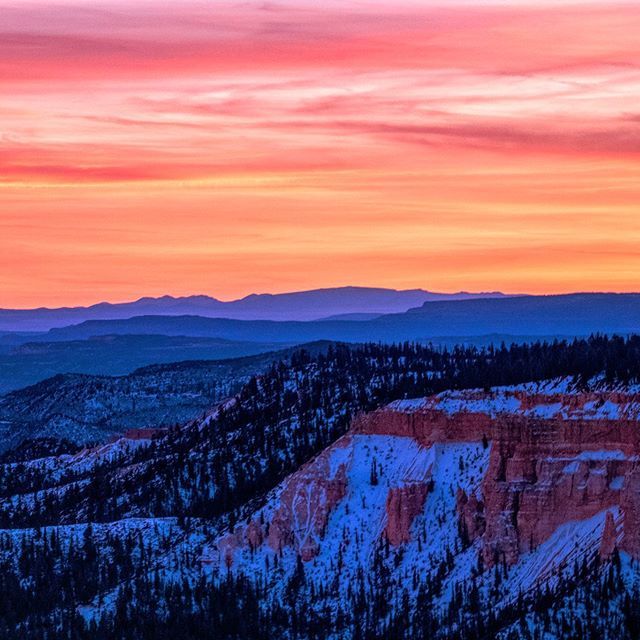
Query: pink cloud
x=65, y=42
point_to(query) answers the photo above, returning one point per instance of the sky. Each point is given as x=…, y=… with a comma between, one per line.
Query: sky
x=227, y=148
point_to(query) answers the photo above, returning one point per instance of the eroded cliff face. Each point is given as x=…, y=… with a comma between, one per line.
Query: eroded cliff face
x=554, y=458
x=471, y=513
x=542, y=474
x=363, y=494
x=300, y=513
x=304, y=508
x=427, y=426
x=609, y=540
x=512, y=468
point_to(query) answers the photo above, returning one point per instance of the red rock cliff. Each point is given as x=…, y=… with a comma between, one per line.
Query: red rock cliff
x=567, y=462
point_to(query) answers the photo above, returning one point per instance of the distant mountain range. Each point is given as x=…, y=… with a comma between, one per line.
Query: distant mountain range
x=117, y=347
x=302, y=305
x=566, y=315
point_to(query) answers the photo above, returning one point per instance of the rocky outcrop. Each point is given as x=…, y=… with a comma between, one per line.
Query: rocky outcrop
x=304, y=506
x=630, y=503
x=427, y=427
x=403, y=505
x=254, y=534
x=553, y=459
x=144, y=434
x=609, y=540
x=471, y=513
x=539, y=479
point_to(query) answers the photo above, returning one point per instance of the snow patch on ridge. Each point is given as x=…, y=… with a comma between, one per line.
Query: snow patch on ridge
x=547, y=400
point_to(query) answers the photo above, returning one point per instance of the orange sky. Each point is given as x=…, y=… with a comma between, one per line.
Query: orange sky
x=232, y=147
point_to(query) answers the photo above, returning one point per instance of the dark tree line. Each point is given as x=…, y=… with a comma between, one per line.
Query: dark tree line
x=38, y=598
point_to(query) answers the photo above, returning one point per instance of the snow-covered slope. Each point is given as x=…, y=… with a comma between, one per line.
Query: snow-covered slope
x=465, y=515
x=498, y=519
x=341, y=507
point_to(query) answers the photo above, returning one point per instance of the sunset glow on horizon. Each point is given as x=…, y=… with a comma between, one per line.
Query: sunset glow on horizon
x=236, y=147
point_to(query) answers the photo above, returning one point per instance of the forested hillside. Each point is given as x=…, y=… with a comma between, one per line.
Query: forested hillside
x=89, y=408
x=156, y=504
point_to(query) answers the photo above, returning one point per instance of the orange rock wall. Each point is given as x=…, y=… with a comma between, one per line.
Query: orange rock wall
x=533, y=483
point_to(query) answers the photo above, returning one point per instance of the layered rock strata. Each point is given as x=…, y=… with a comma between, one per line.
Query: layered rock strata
x=554, y=458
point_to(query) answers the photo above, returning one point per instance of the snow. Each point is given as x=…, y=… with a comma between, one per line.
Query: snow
x=545, y=411
x=340, y=455
x=355, y=527
x=354, y=530
x=408, y=406
x=166, y=545
x=452, y=403
x=554, y=399
x=617, y=483
x=349, y=543
x=571, y=541
x=573, y=465
x=608, y=409
x=552, y=386
x=602, y=455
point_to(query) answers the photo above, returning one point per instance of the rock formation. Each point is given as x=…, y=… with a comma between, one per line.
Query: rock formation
x=403, y=505
x=553, y=458
x=609, y=537
x=472, y=518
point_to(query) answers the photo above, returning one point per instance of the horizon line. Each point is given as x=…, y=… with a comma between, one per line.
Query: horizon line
x=487, y=293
